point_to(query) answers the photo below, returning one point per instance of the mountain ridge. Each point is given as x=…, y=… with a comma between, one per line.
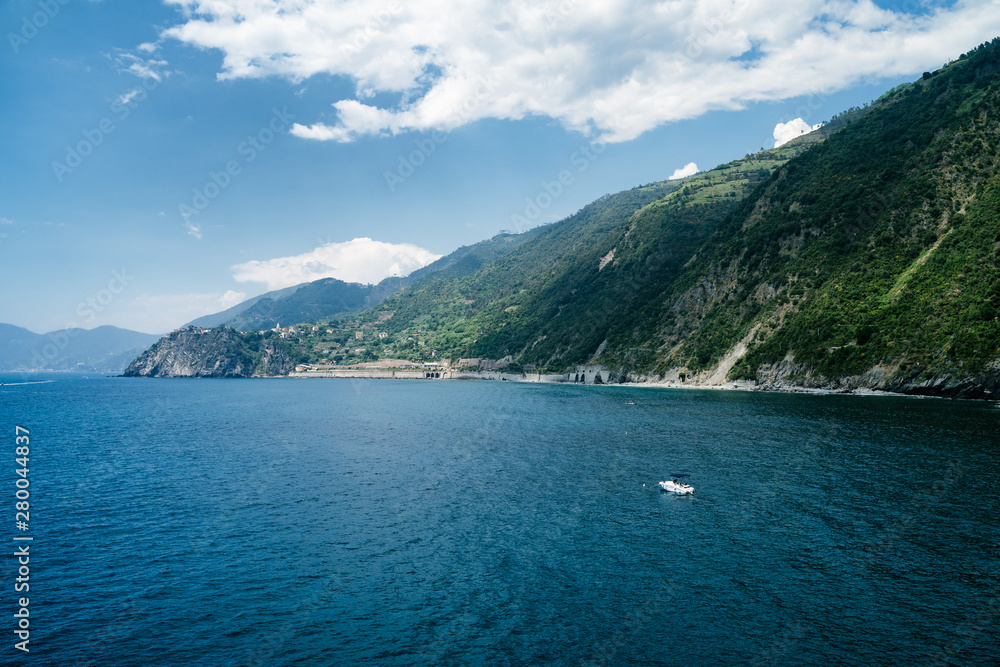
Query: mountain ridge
x=103, y=349
x=331, y=297
x=861, y=255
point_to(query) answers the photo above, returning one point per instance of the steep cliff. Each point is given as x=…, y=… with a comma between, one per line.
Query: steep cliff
x=869, y=261
x=216, y=353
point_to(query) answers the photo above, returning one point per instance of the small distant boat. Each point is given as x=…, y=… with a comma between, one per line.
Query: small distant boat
x=676, y=484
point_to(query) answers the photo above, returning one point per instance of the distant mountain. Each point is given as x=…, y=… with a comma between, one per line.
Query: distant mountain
x=329, y=297
x=228, y=315
x=190, y=353
x=303, y=303
x=104, y=349
x=15, y=346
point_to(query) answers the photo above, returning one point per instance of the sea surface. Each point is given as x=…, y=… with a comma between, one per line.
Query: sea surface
x=338, y=522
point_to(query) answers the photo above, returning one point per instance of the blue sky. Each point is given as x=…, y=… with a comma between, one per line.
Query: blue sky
x=164, y=160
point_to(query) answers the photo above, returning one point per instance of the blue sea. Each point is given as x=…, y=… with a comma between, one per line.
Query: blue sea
x=338, y=522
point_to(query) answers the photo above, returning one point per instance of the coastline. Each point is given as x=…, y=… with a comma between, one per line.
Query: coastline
x=536, y=378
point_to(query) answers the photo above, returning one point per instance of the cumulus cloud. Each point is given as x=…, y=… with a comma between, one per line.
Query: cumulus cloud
x=785, y=132
x=231, y=298
x=613, y=69
x=361, y=261
x=689, y=169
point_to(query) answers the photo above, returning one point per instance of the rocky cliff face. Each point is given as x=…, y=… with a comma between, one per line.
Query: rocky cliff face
x=984, y=384
x=216, y=353
x=854, y=268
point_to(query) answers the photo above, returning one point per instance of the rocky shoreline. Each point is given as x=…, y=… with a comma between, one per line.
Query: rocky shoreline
x=215, y=353
x=224, y=353
x=878, y=381
x=938, y=387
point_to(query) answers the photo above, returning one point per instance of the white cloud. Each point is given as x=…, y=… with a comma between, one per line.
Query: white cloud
x=141, y=67
x=687, y=170
x=615, y=68
x=361, y=260
x=125, y=98
x=785, y=132
x=6, y=221
x=231, y=298
x=192, y=229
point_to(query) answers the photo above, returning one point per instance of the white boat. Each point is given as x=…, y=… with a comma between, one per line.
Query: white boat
x=676, y=484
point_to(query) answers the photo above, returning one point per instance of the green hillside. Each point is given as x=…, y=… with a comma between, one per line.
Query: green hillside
x=877, y=250
x=873, y=250
x=861, y=255
x=554, y=300
x=330, y=298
